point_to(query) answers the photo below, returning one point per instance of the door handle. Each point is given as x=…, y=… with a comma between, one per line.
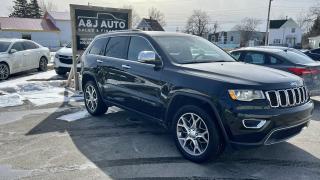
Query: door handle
x=99, y=61
x=125, y=66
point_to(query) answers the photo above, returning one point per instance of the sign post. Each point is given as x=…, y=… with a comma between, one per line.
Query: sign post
x=89, y=21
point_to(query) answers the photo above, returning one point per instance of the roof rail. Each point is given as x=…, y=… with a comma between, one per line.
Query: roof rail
x=127, y=30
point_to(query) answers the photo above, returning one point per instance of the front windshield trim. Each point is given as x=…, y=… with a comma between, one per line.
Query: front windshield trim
x=188, y=49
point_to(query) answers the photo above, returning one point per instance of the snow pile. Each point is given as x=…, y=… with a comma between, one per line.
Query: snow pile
x=7, y=100
x=74, y=116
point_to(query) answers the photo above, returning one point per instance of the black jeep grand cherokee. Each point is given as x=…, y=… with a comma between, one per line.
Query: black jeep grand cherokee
x=198, y=91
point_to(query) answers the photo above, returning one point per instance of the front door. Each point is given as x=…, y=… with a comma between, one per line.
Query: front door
x=17, y=57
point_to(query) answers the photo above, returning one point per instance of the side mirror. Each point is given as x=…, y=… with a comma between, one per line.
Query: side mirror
x=12, y=51
x=149, y=57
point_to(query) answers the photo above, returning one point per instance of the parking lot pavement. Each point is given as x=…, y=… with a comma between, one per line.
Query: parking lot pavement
x=34, y=144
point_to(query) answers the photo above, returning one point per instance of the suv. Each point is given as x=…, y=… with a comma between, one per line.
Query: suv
x=63, y=60
x=196, y=90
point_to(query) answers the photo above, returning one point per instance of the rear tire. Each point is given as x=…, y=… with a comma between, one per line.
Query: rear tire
x=93, y=100
x=200, y=141
x=4, y=71
x=43, y=64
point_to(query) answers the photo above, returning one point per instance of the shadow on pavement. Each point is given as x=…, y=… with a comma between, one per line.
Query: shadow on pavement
x=141, y=150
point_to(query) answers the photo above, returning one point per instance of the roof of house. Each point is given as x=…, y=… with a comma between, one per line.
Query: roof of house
x=154, y=24
x=276, y=24
x=59, y=15
x=26, y=24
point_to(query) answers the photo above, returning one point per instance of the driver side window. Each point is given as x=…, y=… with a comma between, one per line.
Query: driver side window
x=17, y=46
x=137, y=44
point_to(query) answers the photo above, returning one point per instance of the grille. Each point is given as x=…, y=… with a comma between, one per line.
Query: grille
x=65, y=59
x=287, y=97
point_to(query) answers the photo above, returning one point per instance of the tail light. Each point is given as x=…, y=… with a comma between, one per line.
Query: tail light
x=304, y=71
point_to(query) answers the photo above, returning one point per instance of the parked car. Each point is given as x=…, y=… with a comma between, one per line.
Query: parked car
x=63, y=60
x=313, y=54
x=286, y=60
x=18, y=55
x=195, y=89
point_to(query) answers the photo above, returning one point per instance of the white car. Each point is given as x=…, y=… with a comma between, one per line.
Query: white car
x=18, y=55
x=63, y=60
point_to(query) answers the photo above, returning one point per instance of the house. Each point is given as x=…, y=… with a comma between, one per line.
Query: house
x=53, y=30
x=314, y=42
x=236, y=39
x=149, y=25
x=284, y=33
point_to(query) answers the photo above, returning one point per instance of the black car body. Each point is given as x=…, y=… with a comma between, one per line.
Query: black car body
x=286, y=59
x=313, y=54
x=163, y=89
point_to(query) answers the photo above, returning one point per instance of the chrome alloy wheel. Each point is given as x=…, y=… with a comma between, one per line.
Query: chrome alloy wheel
x=4, y=71
x=91, y=98
x=193, y=134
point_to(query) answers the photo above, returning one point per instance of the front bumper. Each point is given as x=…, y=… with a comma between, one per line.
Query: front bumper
x=281, y=123
x=58, y=64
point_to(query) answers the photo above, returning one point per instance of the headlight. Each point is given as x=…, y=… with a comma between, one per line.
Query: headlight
x=246, y=95
x=56, y=55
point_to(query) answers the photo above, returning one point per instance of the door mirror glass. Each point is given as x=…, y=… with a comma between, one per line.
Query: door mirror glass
x=149, y=57
x=12, y=51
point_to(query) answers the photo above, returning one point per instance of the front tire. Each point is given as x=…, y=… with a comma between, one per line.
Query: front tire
x=196, y=134
x=4, y=71
x=93, y=100
x=43, y=64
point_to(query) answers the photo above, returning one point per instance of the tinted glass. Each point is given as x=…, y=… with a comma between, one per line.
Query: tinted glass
x=29, y=45
x=17, y=46
x=255, y=58
x=137, y=44
x=99, y=46
x=68, y=45
x=296, y=58
x=316, y=51
x=192, y=49
x=4, y=46
x=274, y=60
x=117, y=47
x=236, y=55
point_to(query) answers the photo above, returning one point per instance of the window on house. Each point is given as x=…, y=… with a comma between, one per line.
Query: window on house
x=231, y=39
x=293, y=30
x=26, y=36
x=225, y=39
x=276, y=41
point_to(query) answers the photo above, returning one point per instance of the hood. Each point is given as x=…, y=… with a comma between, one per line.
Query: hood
x=243, y=73
x=65, y=51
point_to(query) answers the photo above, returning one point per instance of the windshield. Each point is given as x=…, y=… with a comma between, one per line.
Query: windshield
x=68, y=45
x=4, y=46
x=296, y=58
x=192, y=49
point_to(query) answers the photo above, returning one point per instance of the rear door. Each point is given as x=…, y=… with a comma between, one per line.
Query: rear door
x=31, y=55
x=276, y=62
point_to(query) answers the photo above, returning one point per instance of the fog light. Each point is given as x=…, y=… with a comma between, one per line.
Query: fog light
x=253, y=123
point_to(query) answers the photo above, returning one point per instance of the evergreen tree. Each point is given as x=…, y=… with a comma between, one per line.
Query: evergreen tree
x=34, y=9
x=315, y=29
x=20, y=9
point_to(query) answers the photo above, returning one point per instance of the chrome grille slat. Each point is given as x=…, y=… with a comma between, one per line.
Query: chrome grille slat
x=287, y=97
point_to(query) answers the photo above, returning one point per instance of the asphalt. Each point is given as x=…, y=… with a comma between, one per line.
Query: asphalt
x=34, y=144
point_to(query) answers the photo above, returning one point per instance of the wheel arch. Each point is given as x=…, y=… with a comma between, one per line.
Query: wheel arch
x=6, y=63
x=87, y=76
x=183, y=98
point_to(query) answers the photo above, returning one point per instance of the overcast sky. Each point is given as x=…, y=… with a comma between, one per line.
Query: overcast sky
x=226, y=12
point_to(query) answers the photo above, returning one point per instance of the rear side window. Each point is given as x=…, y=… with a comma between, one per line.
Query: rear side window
x=236, y=55
x=316, y=51
x=137, y=44
x=296, y=58
x=98, y=46
x=29, y=45
x=255, y=58
x=274, y=60
x=117, y=47
x=17, y=46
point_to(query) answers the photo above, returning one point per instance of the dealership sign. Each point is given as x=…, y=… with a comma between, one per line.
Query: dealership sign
x=89, y=21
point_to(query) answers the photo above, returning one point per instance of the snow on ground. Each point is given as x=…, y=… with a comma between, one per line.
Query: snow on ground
x=74, y=116
x=38, y=89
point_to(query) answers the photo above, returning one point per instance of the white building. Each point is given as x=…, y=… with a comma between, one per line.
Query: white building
x=314, y=42
x=53, y=30
x=284, y=33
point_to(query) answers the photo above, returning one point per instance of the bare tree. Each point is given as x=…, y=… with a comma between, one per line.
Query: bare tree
x=155, y=14
x=198, y=23
x=135, y=16
x=47, y=6
x=247, y=27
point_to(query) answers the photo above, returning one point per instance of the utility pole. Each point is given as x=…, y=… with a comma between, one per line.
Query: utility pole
x=268, y=24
